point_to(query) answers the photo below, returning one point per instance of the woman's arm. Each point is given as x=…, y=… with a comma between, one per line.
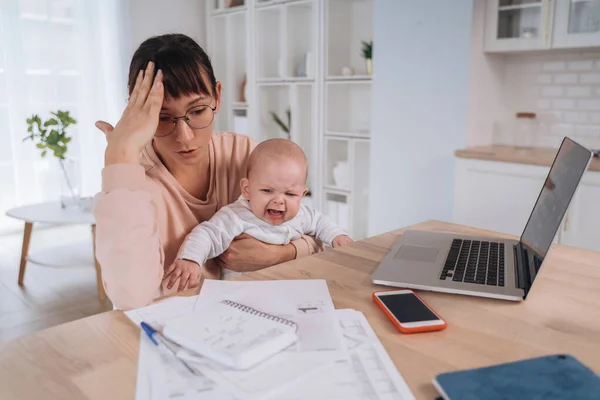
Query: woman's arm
x=247, y=254
x=127, y=243
x=128, y=248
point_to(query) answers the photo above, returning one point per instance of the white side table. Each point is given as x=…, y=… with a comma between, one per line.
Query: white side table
x=53, y=213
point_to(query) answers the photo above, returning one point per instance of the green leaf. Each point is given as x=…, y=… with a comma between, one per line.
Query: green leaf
x=51, y=122
x=44, y=153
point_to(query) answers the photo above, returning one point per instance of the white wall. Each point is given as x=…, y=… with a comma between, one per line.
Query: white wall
x=148, y=18
x=486, y=74
x=561, y=87
x=420, y=86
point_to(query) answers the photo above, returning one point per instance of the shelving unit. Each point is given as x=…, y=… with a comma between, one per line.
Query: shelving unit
x=293, y=54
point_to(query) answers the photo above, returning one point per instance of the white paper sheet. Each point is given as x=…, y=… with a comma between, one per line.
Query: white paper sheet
x=307, y=302
x=162, y=377
x=368, y=373
x=268, y=379
x=157, y=314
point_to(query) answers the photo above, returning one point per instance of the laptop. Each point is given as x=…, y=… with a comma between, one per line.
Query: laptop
x=488, y=266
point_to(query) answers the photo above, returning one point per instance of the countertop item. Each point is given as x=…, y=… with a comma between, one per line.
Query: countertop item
x=522, y=155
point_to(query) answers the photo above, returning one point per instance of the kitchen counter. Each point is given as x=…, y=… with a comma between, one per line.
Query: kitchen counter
x=521, y=155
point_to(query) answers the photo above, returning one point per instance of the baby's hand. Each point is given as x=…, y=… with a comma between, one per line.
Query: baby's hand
x=341, y=240
x=188, y=273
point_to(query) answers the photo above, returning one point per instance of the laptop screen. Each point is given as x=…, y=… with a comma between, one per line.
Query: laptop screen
x=569, y=165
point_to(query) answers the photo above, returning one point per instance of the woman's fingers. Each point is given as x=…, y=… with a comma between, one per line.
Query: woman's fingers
x=168, y=271
x=174, y=276
x=105, y=127
x=156, y=96
x=183, y=281
x=146, y=85
x=136, y=88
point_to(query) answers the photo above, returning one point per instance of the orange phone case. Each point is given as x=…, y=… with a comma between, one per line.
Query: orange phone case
x=397, y=323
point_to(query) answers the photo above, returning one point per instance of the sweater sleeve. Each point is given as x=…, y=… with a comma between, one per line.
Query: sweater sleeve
x=211, y=238
x=320, y=226
x=128, y=247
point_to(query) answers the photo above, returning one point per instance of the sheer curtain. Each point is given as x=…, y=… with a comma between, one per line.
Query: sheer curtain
x=56, y=54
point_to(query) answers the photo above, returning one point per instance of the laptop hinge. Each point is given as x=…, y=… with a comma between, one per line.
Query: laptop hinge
x=522, y=268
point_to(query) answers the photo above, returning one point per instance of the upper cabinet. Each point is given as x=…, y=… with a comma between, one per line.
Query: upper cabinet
x=525, y=25
x=576, y=23
x=516, y=25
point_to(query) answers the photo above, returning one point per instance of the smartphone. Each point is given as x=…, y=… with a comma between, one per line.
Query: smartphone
x=408, y=311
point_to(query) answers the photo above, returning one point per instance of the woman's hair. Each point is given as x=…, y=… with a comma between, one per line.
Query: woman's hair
x=185, y=65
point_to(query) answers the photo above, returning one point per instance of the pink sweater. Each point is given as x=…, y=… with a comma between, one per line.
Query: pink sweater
x=143, y=215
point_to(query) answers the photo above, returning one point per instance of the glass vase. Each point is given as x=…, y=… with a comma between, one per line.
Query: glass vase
x=70, y=185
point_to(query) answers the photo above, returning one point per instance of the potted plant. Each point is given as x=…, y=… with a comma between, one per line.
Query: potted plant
x=51, y=135
x=367, y=54
x=284, y=127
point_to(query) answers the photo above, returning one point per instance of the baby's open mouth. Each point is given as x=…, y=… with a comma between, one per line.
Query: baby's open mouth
x=275, y=213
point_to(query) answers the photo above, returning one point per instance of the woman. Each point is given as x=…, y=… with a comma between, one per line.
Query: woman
x=166, y=171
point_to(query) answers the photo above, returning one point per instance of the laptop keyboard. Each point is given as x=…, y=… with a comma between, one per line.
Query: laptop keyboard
x=475, y=261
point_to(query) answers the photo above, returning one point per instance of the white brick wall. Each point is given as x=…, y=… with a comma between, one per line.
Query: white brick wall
x=563, y=89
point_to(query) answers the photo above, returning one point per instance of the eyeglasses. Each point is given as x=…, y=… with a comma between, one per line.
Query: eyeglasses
x=197, y=118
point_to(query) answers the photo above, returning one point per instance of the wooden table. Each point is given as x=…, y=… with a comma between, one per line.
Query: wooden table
x=96, y=357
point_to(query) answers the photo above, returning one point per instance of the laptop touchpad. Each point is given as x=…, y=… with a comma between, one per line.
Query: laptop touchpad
x=417, y=253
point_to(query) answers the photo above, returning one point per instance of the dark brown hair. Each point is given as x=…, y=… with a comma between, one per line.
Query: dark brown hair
x=185, y=65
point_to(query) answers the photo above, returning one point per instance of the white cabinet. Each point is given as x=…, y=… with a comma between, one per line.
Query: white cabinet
x=576, y=23
x=500, y=197
x=581, y=225
x=516, y=25
x=494, y=195
x=524, y=25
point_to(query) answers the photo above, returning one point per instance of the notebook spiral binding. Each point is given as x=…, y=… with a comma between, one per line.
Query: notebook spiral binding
x=254, y=311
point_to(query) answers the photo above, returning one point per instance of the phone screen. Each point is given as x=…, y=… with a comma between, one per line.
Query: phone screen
x=407, y=308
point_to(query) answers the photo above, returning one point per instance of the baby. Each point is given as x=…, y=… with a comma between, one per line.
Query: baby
x=269, y=209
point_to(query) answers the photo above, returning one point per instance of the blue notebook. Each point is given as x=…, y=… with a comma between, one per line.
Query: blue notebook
x=549, y=378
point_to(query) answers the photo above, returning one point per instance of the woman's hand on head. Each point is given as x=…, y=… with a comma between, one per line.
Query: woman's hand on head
x=138, y=122
x=246, y=254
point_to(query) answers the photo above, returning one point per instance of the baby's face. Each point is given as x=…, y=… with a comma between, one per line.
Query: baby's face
x=275, y=189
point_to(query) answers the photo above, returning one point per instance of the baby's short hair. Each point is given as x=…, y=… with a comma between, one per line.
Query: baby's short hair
x=277, y=148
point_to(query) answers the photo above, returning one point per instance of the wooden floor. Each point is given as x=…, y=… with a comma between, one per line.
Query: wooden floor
x=49, y=295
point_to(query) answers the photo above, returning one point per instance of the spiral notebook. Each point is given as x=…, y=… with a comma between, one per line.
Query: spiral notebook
x=232, y=334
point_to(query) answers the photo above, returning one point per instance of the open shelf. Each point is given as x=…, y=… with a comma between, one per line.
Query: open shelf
x=348, y=109
x=301, y=40
x=270, y=43
x=237, y=54
x=337, y=207
x=337, y=164
x=348, y=24
x=272, y=98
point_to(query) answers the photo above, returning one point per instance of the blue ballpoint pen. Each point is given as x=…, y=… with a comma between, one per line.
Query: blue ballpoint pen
x=158, y=339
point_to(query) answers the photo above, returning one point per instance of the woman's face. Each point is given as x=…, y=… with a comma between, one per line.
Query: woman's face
x=186, y=145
